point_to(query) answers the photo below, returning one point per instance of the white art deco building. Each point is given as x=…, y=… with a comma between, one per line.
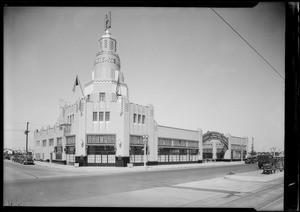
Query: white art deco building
x=103, y=128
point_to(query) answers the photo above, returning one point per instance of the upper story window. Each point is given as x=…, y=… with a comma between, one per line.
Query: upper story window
x=134, y=118
x=107, y=116
x=101, y=116
x=44, y=142
x=51, y=142
x=143, y=119
x=59, y=141
x=37, y=143
x=94, y=116
x=139, y=118
x=88, y=98
x=102, y=97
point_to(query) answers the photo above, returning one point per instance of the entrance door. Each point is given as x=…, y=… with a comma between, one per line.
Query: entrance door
x=137, y=154
x=101, y=155
x=70, y=155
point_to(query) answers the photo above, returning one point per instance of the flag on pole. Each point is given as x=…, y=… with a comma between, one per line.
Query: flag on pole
x=77, y=82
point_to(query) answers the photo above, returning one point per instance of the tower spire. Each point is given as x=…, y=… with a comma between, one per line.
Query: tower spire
x=107, y=21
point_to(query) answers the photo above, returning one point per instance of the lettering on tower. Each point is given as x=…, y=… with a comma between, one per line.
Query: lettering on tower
x=107, y=20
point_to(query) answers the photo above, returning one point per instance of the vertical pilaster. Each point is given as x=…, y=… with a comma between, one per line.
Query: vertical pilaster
x=228, y=152
x=200, y=145
x=152, y=139
x=214, y=149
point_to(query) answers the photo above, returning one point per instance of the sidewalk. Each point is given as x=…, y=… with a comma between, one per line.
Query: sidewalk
x=255, y=176
x=216, y=192
x=105, y=169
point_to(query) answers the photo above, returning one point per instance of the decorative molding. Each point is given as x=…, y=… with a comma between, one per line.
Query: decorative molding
x=108, y=52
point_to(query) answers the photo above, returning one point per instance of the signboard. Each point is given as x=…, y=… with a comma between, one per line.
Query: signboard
x=134, y=139
x=215, y=136
x=101, y=139
x=70, y=150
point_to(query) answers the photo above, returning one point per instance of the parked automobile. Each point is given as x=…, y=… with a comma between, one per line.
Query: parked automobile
x=264, y=159
x=19, y=158
x=15, y=157
x=6, y=156
x=251, y=159
x=12, y=158
x=27, y=159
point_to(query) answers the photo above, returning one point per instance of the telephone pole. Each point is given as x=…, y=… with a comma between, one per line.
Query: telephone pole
x=26, y=133
x=252, y=148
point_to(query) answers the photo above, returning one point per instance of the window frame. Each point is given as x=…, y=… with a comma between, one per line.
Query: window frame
x=95, y=116
x=51, y=142
x=101, y=115
x=107, y=114
x=102, y=96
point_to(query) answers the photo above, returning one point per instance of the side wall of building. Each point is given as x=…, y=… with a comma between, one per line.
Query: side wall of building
x=179, y=145
x=44, y=142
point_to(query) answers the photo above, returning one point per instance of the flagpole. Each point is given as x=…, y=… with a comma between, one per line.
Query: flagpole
x=81, y=88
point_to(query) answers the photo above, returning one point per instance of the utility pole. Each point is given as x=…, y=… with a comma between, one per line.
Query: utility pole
x=241, y=152
x=252, y=148
x=26, y=133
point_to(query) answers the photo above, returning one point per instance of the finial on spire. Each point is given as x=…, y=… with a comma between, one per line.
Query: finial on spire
x=107, y=21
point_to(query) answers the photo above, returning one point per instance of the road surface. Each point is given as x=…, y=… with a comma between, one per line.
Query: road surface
x=190, y=187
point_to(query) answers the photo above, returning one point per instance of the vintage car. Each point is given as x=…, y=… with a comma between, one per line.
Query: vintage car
x=251, y=159
x=27, y=159
x=17, y=158
x=264, y=159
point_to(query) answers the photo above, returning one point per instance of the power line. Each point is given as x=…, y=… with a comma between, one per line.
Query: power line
x=14, y=130
x=16, y=122
x=38, y=124
x=248, y=43
x=31, y=123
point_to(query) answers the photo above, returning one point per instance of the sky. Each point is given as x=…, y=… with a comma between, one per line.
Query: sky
x=191, y=66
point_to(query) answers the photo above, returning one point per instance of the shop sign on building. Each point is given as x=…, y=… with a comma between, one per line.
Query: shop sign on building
x=101, y=139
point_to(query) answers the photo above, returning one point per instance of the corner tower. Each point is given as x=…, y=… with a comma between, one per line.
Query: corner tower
x=107, y=67
x=105, y=123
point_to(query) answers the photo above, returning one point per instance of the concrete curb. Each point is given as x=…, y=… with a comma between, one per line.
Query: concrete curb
x=135, y=168
x=255, y=178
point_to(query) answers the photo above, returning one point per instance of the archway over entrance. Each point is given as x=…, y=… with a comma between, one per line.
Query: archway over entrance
x=213, y=135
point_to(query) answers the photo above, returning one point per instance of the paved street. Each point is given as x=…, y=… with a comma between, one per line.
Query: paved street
x=194, y=185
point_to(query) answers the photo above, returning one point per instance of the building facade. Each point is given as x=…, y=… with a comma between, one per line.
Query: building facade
x=106, y=129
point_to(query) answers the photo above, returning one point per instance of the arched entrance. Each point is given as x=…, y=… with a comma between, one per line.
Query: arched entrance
x=219, y=151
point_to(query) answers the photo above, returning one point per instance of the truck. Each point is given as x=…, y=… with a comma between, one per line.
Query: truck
x=264, y=159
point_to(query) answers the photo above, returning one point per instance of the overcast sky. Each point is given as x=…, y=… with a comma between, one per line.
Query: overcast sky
x=187, y=62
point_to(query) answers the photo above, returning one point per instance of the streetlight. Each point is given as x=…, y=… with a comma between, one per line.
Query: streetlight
x=145, y=140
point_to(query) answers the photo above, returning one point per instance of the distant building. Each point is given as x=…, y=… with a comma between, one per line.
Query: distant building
x=8, y=151
x=107, y=129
